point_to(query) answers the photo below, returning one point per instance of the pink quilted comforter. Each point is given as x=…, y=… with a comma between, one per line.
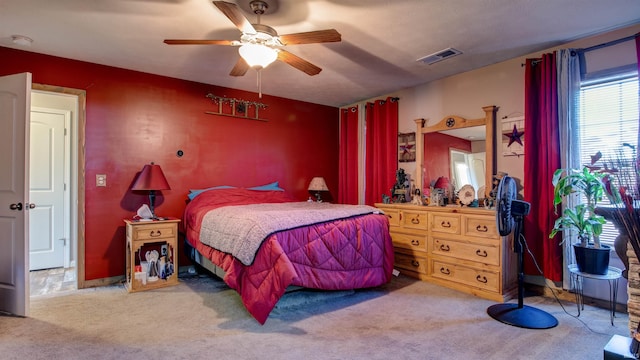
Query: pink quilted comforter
x=335, y=255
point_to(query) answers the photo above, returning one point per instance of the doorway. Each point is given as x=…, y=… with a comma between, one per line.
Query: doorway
x=71, y=101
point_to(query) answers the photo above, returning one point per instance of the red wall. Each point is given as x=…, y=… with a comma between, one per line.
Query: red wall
x=436, y=154
x=133, y=118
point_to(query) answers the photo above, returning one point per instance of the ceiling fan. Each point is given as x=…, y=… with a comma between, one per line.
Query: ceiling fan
x=260, y=45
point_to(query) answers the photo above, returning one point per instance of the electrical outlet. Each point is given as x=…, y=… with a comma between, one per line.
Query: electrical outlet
x=101, y=179
x=164, y=250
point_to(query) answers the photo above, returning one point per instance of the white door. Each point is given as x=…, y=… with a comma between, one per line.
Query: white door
x=47, y=238
x=15, y=103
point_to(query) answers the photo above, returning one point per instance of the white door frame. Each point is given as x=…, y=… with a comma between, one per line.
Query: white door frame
x=77, y=183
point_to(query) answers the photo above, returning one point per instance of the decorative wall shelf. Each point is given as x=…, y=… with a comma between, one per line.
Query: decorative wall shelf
x=238, y=108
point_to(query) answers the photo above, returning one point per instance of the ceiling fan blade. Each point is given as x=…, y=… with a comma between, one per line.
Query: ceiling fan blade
x=198, y=42
x=298, y=62
x=311, y=37
x=240, y=68
x=234, y=14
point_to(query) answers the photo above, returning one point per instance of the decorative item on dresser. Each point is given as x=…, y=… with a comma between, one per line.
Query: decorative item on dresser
x=456, y=247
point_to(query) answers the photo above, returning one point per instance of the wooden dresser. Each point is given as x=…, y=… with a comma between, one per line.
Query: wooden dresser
x=453, y=246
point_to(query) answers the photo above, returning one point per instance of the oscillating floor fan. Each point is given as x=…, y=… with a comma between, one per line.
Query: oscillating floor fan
x=510, y=215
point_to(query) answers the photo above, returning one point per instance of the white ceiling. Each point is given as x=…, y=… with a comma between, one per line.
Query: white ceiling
x=381, y=39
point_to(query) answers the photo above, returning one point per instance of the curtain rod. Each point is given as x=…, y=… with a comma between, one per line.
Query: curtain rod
x=610, y=43
x=595, y=47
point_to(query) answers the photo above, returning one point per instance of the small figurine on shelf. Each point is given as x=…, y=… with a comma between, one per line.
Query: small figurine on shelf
x=417, y=197
x=399, y=190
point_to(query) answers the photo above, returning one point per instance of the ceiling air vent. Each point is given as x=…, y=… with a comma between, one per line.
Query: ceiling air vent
x=439, y=56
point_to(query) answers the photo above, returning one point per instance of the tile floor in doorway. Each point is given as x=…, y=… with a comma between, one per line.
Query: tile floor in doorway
x=52, y=281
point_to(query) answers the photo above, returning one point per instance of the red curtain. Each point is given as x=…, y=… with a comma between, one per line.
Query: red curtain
x=542, y=158
x=381, y=148
x=348, y=162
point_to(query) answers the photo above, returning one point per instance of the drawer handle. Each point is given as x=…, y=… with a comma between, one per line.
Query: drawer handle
x=155, y=233
x=444, y=247
x=482, y=228
x=400, y=217
x=482, y=253
x=482, y=279
x=445, y=271
x=415, y=242
x=415, y=263
x=445, y=224
x=415, y=221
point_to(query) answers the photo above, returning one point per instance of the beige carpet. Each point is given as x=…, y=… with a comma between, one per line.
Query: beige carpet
x=203, y=319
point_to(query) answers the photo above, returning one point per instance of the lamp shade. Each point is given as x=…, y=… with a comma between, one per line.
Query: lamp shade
x=318, y=184
x=151, y=178
x=257, y=55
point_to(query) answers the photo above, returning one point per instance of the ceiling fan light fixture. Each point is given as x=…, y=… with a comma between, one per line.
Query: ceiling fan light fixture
x=257, y=55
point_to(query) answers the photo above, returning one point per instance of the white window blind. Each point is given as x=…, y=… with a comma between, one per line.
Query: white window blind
x=608, y=116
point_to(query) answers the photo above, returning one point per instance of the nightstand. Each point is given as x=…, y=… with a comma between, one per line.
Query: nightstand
x=151, y=254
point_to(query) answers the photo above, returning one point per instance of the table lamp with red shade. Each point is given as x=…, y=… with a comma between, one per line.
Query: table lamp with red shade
x=151, y=179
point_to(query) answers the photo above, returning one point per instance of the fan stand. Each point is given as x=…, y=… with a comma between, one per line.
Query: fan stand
x=521, y=315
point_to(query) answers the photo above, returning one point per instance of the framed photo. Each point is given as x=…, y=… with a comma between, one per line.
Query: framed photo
x=407, y=147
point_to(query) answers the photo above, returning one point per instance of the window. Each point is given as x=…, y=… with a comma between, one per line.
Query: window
x=608, y=118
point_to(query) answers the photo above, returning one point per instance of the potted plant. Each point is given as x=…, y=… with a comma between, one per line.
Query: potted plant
x=591, y=256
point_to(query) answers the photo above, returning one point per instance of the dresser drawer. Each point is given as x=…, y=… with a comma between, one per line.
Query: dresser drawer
x=153, y=231
x=484, y=227
x=485, y=254
x=414, y=220
x=482, y=279
x=409, y=241
x=393, y=215
x=413, y=263
x=445, y=223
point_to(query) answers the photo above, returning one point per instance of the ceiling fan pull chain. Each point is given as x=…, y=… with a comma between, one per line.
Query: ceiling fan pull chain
x=259, y=83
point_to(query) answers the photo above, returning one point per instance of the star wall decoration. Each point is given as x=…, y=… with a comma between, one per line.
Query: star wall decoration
x=406, y=149
x=515, y=136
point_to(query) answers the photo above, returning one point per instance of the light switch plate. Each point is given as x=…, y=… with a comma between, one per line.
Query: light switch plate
x=101, y=180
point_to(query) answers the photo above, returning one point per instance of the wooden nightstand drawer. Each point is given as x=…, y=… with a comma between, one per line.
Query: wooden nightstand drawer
x=413, y=263
x=414, y=220
x=482, y=279
x=481, y=253
x=445, y=223
x=409, y=241
x=484, y=227
x=154, y=231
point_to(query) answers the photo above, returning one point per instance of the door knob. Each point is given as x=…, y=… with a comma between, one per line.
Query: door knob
x=28, y=206
x=17, y=206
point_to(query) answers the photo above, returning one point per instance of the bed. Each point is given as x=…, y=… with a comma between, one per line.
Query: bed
x=311, y=245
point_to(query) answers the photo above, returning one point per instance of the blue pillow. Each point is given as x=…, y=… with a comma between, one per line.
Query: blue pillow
x=195, y=192
x=268, y=187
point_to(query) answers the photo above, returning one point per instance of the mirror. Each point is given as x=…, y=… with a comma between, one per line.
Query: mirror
x=467, y=168
x=461, y=149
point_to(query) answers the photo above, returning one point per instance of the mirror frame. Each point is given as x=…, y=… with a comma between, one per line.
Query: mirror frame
x=456, y=122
